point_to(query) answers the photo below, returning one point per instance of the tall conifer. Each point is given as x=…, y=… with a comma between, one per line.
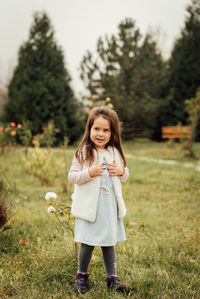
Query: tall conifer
x=184, y=66
x=40, y=90
x=130, y=70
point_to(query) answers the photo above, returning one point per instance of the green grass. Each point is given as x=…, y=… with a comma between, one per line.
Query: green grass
x=160, y=258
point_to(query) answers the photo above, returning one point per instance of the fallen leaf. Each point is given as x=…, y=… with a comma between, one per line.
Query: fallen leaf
x=24, y=242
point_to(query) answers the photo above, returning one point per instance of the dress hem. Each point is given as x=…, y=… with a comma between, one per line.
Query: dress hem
x=101, y=245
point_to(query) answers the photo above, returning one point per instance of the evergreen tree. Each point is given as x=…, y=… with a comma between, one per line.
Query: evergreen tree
x=129, y=69
x=184, y=66
x=40, y=90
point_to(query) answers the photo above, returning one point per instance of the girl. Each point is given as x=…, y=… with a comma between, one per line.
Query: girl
x=97, y=170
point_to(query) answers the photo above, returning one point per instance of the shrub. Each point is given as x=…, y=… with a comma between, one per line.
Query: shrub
x=6, y=203
x=40, y=163
x=3, y=213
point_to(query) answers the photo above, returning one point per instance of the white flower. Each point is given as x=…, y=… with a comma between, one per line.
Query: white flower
x=110, y=106
x=51, y=209
x=50, y=197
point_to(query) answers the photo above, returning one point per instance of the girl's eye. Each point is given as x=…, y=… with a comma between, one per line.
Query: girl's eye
x=106, y=130
x=96, y=129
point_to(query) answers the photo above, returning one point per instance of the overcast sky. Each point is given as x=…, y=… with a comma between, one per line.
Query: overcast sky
x=79, y=23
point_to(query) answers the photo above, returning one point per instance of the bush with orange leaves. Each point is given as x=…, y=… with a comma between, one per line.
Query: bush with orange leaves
x=8, y=135
x=48, y=136
x=3, y=138
x=12, y=133
x=25, y=135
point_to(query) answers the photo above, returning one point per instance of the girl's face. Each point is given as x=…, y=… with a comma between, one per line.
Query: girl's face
x=100, y=132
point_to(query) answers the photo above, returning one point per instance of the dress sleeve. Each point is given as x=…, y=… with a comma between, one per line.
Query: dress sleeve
x=78, y=175
x=125, y=176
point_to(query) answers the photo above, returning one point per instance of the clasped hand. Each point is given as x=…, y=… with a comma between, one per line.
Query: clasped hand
x=114, y=169
x=95, y=170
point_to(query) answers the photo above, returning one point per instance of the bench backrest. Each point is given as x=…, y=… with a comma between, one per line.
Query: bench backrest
x=176, y=132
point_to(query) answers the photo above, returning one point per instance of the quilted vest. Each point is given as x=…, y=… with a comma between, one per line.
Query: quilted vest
x=85, y=196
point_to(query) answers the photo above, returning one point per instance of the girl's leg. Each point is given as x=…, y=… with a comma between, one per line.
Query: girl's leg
x=109, y=259
x=113, y=281
x=84, y=257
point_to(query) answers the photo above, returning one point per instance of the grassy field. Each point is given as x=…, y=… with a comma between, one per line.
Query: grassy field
x=160, y=258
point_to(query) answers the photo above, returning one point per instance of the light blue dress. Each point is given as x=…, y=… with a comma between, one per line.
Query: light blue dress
x=108, y=229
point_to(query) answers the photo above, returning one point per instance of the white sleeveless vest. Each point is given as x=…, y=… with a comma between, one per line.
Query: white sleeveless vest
x=85, y=196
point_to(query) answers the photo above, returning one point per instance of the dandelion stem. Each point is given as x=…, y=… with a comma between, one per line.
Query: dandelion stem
x=72, y=231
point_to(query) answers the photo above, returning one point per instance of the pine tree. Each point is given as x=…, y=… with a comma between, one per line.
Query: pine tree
x=184, y=65
x=130, y=70
x=40, y=90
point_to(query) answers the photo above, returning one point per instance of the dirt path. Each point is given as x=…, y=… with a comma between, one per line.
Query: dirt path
x=196, y=165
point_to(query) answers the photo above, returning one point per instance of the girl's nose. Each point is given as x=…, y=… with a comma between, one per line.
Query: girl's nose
x=100, y=133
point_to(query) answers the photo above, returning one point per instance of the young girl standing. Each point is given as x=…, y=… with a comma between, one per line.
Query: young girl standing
x=97, y=170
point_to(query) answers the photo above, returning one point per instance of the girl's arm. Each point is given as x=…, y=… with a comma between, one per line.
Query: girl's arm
x=77, y=175
x=118, y=170
x=125, y=176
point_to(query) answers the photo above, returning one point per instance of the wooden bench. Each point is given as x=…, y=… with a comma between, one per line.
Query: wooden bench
x=176, y=132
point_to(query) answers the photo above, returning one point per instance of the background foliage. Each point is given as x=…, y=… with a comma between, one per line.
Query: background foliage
x=130, y=70
x=146, y=91
x=127, y=72
x=40, y=89
x=184, y=70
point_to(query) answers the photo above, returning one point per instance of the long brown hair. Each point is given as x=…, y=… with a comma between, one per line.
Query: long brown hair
x=87, y=144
